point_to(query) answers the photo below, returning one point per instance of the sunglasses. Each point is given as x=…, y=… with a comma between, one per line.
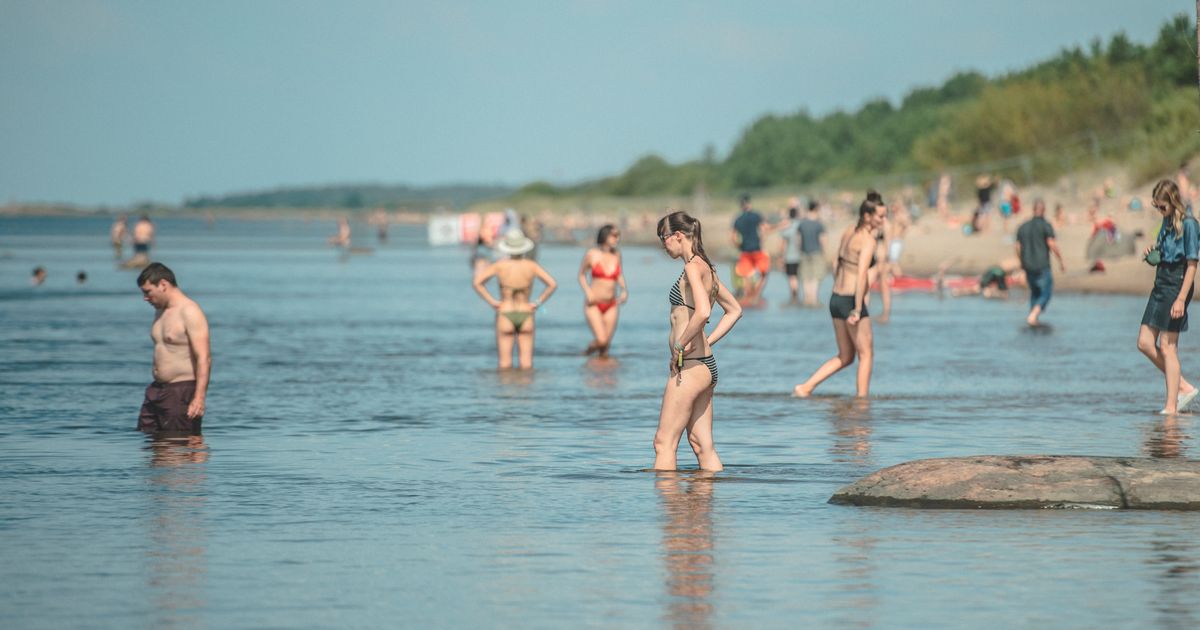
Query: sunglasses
x=664, y=238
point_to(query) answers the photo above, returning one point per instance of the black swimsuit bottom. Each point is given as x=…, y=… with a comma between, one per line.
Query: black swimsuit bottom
x=841, y=305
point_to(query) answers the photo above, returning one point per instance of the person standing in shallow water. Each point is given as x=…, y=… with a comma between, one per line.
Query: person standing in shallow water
x=1174, y=258
x=601, y=305
x=514, y=311
x=687, y=403
x=174, y=402
x=1035, y=240
x=847, y=305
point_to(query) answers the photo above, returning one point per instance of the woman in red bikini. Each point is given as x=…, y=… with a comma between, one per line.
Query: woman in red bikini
x=600, y=300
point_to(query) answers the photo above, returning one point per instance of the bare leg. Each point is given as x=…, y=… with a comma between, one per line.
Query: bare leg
x=1034, y=312
x=864, y=344
x=596, y=322
x=678, y=401
x=794, y=288
x=700, y=432
x=525, y=345
x=1168, y=346
x=1147, y=343
x=504, y=342
x=810, y=291
x=610, y=328
x=845, y=356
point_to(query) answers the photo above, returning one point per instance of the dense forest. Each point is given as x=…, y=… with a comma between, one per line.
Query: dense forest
x=1119, y=100
x=355, y=196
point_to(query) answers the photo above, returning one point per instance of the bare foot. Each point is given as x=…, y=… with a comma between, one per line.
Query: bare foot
x=801, y=392
x=1032, y=321
x=591, y=349
x=1168, y=412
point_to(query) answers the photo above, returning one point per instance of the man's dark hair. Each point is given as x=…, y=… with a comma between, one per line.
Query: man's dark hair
x=154, y=273
x=792, y=213
x=812, y=206
x=744, y=198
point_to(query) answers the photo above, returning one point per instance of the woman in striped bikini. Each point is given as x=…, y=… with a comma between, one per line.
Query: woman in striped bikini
x=687, y=403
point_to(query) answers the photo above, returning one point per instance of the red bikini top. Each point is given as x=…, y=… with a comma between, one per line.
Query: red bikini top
x=598, y=272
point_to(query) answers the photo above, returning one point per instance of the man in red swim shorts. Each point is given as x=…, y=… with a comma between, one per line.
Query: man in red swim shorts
x=747, y=235
x=182, y=360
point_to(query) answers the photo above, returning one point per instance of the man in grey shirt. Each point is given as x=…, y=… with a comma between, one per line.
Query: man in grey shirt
x=1035, y=241
x=812, y=253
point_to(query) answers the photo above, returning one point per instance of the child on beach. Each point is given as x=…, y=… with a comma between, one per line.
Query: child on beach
x=1165, y=316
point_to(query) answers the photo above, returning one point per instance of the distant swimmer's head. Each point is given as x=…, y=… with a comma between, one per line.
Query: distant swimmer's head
x=157, y=282
x=680, y=235
x=1169, y=202
x=39, y=275
x=608, y=236
x=81, y=277
x=515, y=243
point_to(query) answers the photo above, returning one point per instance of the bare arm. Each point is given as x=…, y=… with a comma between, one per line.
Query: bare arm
x=695, y=278
x=551, y=285
x=583, y=270
x=1053, y=245
x=621, y=279
x=1189, y=277
x=733, y=312
x=482, y=279
x=196, y=326
x=860, y=286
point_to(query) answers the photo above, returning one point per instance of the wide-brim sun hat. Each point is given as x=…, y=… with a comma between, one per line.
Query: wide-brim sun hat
x=515, y=243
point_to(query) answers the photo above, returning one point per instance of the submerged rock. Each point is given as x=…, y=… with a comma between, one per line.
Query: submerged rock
x=1031, y=481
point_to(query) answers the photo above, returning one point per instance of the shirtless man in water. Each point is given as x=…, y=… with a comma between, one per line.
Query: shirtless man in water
x=175, y=400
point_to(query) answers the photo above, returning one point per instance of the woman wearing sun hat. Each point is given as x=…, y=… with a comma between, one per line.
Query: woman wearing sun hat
x=514, y=311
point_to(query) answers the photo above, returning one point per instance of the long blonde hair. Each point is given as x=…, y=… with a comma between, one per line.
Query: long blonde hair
x=1166, y=193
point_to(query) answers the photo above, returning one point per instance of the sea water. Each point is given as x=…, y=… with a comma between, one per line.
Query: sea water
x=363, y=463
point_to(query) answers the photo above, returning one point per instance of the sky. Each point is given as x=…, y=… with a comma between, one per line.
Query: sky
x=107, y=102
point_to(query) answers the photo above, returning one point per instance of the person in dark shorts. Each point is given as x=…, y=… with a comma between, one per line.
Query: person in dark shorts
x=174, y=402
x=1035, y=241
x=792, y=254
x=848, y=305
x=1174, y=258
x=747, y=235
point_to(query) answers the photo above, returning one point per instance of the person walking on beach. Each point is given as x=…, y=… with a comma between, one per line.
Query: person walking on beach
x=601, y=305
x=174, y=402
x=1035, y=241
x=747, y=235
x=792, y=250
x=812, y=253
x=880, y=272
x=687, y=403
x=1174, y=258
x=847, y=305
x=117, y=235
x=514, y=311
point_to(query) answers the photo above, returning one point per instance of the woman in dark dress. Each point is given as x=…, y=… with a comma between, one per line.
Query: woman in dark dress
x=1174, y=257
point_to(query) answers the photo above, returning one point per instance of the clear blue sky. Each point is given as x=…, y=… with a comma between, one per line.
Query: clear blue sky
x=108, y=101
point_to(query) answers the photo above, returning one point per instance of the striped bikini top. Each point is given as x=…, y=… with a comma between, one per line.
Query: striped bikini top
x=675, y=297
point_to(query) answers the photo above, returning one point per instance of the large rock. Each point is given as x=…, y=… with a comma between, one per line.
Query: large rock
x=1033, y=481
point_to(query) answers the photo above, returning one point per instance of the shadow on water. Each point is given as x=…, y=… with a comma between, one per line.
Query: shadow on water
x=850, y=424
x=687, y=547
x=175, y=555
x=1176, y=576
x=1165, y=439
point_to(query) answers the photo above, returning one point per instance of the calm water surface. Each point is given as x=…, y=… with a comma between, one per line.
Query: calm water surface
x=364, y=465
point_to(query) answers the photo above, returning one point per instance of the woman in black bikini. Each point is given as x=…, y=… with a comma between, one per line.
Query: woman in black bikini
x=687, y=403
x=514, y=311
x=847, y=305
